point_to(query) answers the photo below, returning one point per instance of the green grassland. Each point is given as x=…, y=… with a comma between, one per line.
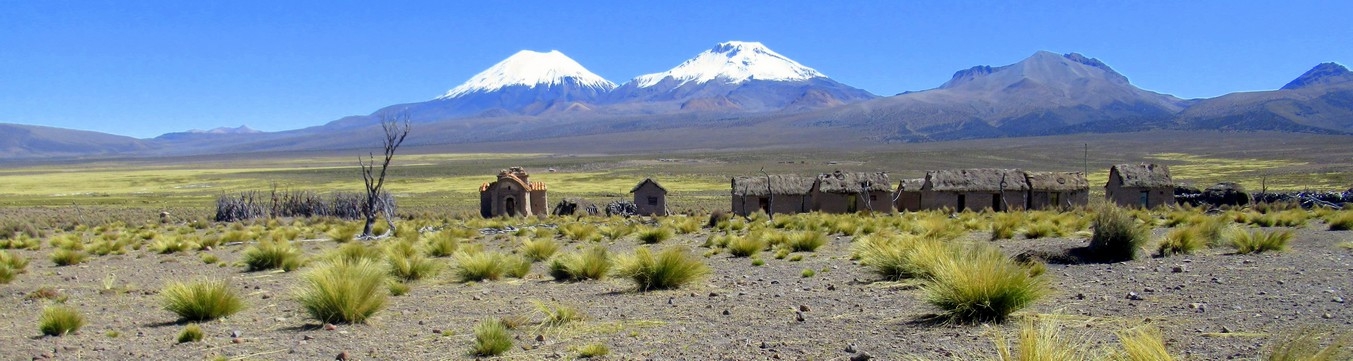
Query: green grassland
x=449, y=182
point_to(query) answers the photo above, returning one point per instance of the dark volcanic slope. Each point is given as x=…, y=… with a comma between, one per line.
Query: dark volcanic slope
x=1321, y=100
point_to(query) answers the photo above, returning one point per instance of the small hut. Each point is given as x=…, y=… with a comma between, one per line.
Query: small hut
x=960, y=189
x=1058, y=190
x=852, y=192
x=513, y=194
x=777, y=193
x=908, y=195
x=1140, y=185
x=650, y=198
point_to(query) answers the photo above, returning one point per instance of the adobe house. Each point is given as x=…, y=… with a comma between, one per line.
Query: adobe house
x=1140, y=185
x=852, y=192
x=774, y=194
x=1058, y=190
x=908, y=195
x=976, y=189
x=650, y=197
x=513, y=195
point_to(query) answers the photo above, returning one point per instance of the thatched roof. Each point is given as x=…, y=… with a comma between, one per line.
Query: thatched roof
x=852, y=183
x=647, y=180
x=1142, y=175
x=976, y=180
x=782, y=184
x=910, y=185
x=1058, y=181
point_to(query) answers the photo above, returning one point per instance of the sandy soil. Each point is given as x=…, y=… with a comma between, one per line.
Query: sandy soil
x=1212, y=305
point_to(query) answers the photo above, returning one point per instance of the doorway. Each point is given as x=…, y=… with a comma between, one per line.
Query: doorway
x=511, y=206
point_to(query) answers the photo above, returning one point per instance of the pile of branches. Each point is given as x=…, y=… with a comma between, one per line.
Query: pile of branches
x=1308, y=199
x=288, y=203
x=622, y=208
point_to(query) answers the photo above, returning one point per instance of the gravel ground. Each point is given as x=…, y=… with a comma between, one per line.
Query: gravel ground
x=1211, y=305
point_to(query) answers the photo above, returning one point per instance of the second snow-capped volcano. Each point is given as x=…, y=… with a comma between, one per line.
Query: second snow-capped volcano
x=736, y=76
x=733, y=62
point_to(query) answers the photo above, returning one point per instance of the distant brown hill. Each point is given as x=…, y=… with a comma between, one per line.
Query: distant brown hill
x=17, y=140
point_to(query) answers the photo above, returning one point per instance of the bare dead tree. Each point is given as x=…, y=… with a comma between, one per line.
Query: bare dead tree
x=396, y=129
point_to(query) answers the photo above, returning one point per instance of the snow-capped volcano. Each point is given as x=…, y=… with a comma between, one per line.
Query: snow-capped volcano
x=733, y=62
x=736, y=76
x=531, y=69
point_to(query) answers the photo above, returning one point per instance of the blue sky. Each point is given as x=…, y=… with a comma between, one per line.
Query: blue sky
x=142, y=68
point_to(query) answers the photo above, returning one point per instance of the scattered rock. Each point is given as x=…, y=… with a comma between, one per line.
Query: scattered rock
x=831, y=287
x=307, y=338
x=798, y=316
x=1338, y=299
x=850, y=348
x=727, y=312
x=803, y=308
x=1080, y=296
x=1201, y=307
x=436, y=331
x=1327, y=316
x=1225, y=329
x=235, y=334
x=1134, y=296
x=237, y=340
x=330, y=327
x=342, y=356
x=540, y=338
x=863, y=356
x=764, y=345
x=1177, y=269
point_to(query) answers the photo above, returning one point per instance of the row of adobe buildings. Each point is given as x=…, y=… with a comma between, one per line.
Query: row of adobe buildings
x=1130, y=185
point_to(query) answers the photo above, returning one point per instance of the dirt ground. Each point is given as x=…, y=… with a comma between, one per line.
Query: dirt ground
x=1211, y=305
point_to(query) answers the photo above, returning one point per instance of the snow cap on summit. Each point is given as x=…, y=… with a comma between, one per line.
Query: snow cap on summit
x=733, y=62
x=530, y=68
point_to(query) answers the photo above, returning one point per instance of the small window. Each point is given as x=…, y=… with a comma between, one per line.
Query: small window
x=652, y=201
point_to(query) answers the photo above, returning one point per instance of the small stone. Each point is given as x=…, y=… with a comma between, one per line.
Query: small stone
x=1326, y=316
x=540, y=338
x=1148, y=289
x=670, y=299
x=476, y=298
x=863, y=356
x=342, y=356
x=266, y=296
x=764, y=345
x=1134, y=296
x=1338, y=299
x=235, y=334
x=831, y=287
x=330, y=327
x=1177, y=269
x=798, y=316
x=307, y=338
x=850, y=348
x=436, y=331
x=727, y=312
x=803, y=308
x=237, y=340
x=712, y=294
x=1080, y=296
x=1225, y=329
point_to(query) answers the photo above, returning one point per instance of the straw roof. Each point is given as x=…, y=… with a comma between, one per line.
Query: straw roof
x=1058, y=181
x=782, y=184
x=1142, y=175
x=976, y=180
x=647, y=180
x=910, y=185
x=852, y=183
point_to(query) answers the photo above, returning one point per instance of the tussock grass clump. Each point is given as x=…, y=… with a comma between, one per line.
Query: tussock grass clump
x=442, y=244
x=11, y=266
x=655, y=235
x=580, y=231
x=616, y=231
x=1305, y=345
x=1042, y=342
x=1143, y=344
x=7, y=274
x=491, y=338
x=1259, y=241
x=592, y=264
x=593, y=350
x=200, y=300
x=344, y=232
x=339, y=291
x=939, y=227
x=745, y=246
x=1004, y=225
x=407, y=264
x=171, y=244
x=806, y=241
x=1117, y=235
x=556, y=314
x=1341, y=221
x=191, y=333
x=1180, y=241
x=671, y=268
x=1042, y=229
x=355, y=251
x=67, y=257
x=981, y=284
x=684, y=225
x=538, y=249
x=270, y=254
x=490, y=266
x=60, y=320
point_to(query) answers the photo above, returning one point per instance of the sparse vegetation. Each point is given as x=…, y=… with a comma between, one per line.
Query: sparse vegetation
x=1180, y=241
x=556, y=314
x=67, y=257
x=745, y=246
x=538, y=249
x=655, y=235
x=269, y=254
x=1340, y=221
x=407, y=264
x=489, y=266
x=491, y=338
x=670, y=268
x=1117, y=235
x=592, y=264
x=190, y=333
x=1041, y=342
x=981, y=284
x=593, y=350
x=1306, y=345
x=60, y=320
x=1143, y=344
x=1246, y=242
x=201, y=300
x=338, y=291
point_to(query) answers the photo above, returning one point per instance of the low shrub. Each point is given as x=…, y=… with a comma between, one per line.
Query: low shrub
x=1042, y=342
x=442, y=244
x=200, y=300
x=1143, y=344
x=171, y=244
x=592, y=264
x=616, y=231
x=1117, y=236
x=344, y=232
x=355, y=251
x=67, y=257
x=1305, y=345
x=1341, y=221
x=555, y=314
x=655, y=235
x=670, y=268
x=981, y=284
x=538, y=249
x=745, y=246
x=1004, y=225
x=339, y=291
x=271, y=254
x=1180, y=241
x=1042, y=229
x=491, y=338
x=806, y=241
x=593, y=350
x=489, y=266
x=60, y=320
x=579, y=231
x=191, y=333
x=407, y=264
x=1259, y=241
